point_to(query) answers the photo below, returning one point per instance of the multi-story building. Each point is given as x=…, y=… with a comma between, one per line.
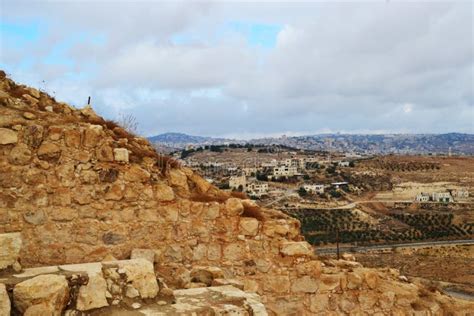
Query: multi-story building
x=257, y=189
x=284, y=171
x=238, y=182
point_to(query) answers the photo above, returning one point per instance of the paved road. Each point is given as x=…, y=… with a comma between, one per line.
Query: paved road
x=401, y=245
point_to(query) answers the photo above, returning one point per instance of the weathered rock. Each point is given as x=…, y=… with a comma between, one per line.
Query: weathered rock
x=49, y=291
x=49, y=151
x=248, y=226
x=206, y=274
x=121, y=155
x=234, y=207
x=20, y=155
x=136, y=174
x=5, y=305
x=141, y=275
x=10, y=246
x=92, y=135
x=312, y=268
x=146, y=254
x=304, y=284
x=296, y=248
x=277, y=284
x=372, y=279
x=29, y=116
x=164, y=192
x=92, y=295
x=37, y=217
x=7, y=136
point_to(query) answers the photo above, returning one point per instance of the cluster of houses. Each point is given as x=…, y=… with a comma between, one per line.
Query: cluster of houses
x=252, y=188
x=443, y=197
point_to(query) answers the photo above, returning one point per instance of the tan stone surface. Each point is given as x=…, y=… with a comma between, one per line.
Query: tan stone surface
x=5, y=305
x=48, y=290
x=10, y=246
x=8, y=136
x=92, y=295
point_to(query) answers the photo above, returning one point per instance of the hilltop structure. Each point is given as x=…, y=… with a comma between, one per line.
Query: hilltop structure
x=78, y=189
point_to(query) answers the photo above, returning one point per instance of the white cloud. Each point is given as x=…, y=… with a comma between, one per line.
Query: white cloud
x=335, y=66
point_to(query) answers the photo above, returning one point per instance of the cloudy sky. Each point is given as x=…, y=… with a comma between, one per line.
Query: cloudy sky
x=243, y=69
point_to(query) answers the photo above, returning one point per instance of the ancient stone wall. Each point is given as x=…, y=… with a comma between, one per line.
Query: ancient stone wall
x=81, y=189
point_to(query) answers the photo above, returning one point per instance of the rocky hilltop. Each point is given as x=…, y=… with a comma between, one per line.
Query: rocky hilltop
x=75, y=189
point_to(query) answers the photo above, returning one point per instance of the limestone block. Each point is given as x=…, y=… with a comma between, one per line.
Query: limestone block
x=92, y=295
x=5, y=305
x=146, y=254
x=354, y=281
x=179, y=179
x=49, y=291
x=277, y=283
x=248, y=226
x=49, y=151
x=305, y=284
x=312, y=268
x=141, y=276
x=329, y=282
x=20, y=155
x=235, y=251
x=164, y=192
x=211, y=211
x=72, y=138
x=319, y=303
x=10, y=246
x=121, y=155
x=296, y=248
x=36, y=217
x=234, y=207
x=278, y=227
x=106, y=153
x=7, y=136
x=92, y=136
x=136, y=174
x=372, y=279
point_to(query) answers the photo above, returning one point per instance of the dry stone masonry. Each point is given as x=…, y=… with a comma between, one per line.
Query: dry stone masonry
x=79, y=196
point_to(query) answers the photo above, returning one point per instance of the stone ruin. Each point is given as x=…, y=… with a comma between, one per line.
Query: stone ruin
x=94, y=221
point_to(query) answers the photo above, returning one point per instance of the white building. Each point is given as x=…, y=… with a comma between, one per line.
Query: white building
x=422, y=197
x=344, y=163
x=257, y=189
x=441, y=197
x=237, y=182
x=314, y=188
x=460, y=193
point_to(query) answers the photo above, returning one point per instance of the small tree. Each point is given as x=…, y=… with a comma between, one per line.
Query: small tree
x=302, y=192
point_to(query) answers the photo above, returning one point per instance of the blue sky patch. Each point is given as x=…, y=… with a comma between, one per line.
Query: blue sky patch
x=257, y=34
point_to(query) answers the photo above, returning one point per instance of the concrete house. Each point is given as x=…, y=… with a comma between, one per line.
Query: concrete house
x=314, y=188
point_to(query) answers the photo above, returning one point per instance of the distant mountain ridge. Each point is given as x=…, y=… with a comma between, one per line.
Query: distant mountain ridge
x=182, y=139
x=456, y=143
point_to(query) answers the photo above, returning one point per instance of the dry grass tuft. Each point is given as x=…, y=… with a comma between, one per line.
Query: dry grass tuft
x=253, y=211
